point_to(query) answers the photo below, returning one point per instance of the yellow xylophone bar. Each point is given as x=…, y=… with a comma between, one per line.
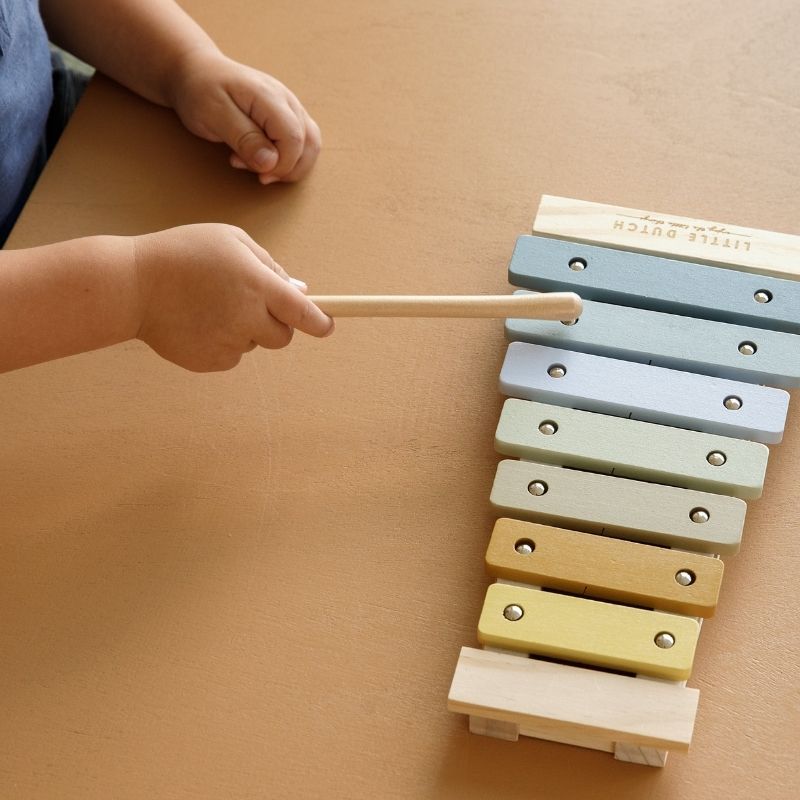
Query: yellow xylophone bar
x=587, y=631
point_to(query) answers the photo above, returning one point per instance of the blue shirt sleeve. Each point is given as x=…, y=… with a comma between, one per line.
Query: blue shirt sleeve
x=26, y=93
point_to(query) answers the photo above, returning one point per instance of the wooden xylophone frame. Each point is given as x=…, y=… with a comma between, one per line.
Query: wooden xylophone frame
x=637, y=717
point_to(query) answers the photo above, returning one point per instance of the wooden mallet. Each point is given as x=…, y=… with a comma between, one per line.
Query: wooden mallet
x=551, y=305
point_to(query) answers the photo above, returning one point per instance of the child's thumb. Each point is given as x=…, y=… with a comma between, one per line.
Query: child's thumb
x=248, y=141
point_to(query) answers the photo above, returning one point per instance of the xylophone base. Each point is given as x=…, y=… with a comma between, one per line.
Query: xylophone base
x=507, y=695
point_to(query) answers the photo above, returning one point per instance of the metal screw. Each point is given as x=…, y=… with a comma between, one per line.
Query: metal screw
x=685, y=577
x=747, y=348
x=732, y=403
x=513, y=613
x=525, y=547
x=577, y=264
x=569, y=322
x=762, y=296
x=699, y=515
x=537, y=488
x=557, y=371
x=548, y=428
x=716, y=459
x=664, y=640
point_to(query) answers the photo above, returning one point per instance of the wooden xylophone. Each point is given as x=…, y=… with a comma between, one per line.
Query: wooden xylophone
x=639, y=432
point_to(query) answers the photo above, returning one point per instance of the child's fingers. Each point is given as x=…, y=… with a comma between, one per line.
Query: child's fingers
x=273, y=334
x=285, y=297
x=265, y=258
x=247, y=140
x=285, y=128
x=310, y=152
x=264, y=177
x=290, y=306
x=285, y=124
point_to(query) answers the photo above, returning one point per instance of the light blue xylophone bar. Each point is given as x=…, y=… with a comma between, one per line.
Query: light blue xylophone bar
x=644, y=392
x=667, y=340
x=656, y=283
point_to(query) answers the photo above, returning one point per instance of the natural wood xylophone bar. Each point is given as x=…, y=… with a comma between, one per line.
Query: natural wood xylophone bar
x=507, y=696
x=722, y=244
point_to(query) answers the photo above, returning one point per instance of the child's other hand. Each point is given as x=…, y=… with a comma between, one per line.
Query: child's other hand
x=265, y=125
x=209, y=293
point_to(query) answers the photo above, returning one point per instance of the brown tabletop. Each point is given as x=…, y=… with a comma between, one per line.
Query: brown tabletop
x=255, y=584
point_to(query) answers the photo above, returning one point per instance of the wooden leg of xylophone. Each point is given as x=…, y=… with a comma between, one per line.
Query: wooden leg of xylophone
x=649, y=756
x=496, y=728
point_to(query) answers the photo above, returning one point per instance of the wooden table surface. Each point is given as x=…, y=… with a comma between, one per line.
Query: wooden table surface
x=255, y=584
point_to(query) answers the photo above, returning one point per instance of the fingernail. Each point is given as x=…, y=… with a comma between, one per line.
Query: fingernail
x=238, y=164
x=266, y=180
x=298, y=283
x=262, y=156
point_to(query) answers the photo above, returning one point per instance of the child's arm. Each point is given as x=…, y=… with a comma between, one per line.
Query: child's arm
x=154, y=48
x=200, y=296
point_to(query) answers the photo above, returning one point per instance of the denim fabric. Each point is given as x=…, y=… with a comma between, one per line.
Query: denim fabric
x=26, y=94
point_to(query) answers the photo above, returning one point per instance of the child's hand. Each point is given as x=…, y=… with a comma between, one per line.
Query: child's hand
x=209, y=293
x=264, y=124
